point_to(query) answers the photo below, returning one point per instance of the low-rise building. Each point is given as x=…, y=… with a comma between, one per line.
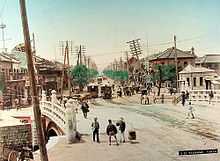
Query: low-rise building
x=211, y=61
x=49, y=73
x=14, y=81
x=196, y=78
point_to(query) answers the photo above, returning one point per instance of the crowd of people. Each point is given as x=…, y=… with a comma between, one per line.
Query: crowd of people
x=117, y=131
x=111, y=131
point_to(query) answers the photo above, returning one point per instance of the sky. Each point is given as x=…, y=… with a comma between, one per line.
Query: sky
x=104, y=26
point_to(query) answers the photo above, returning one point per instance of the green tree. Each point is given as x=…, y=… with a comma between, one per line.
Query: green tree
x=92, y=73
x=163, y=73
x=79, y=75
x=116, y=75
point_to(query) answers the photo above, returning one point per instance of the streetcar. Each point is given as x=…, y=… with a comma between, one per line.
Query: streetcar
x=93, y=90
x=106, y=91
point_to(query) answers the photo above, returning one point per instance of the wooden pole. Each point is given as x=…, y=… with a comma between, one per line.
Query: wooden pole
x=127, y=61
x=36, y=106
x=80, y=54
x=63, y=72
x=176, y=63
x=68, y=67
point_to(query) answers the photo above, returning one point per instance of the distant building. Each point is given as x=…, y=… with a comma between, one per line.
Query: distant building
x=211, y=61
x=168, y=57
x=49, y=73
x=14, y=80
x=196, y=78
x=13, y=67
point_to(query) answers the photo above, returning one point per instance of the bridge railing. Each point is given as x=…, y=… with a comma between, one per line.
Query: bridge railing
x=203, y=95
x=53, y=110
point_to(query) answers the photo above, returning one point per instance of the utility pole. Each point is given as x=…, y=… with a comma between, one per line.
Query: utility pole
x=127, y=58
x=176, y=63
x=84, y=60
x=36, y=106
x=80, y=52
x=80, y=55
x=88, y=62
x=34, y=48
x=2, y=27
x=135, y=48
x=121, y=64
x=66, y=66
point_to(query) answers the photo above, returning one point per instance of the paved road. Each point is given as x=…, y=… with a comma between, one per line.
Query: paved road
x=162, y=130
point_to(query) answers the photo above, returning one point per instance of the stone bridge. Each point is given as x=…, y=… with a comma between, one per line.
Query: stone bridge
x=56, y=119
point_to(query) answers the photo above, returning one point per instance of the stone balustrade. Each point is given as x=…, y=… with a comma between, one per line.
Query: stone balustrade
x=57, y=112
x=54, y=112
x=203, y=95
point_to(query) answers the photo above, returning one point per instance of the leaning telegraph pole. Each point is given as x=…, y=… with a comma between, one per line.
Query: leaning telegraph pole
x=135, y=49
x=36, y=106
x=176, y=63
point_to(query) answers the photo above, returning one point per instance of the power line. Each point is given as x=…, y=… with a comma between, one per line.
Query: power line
x=171, y=42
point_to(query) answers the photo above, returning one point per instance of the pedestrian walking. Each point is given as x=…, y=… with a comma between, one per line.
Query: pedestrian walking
x=85, y=108
x=122, y=127
x=183, y=98
x=95, y=130
x=187, y=95
x=190, y=111
x=211, y=95
x=111, y=131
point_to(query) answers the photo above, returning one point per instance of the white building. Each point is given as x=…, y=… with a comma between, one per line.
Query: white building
x=197, y=78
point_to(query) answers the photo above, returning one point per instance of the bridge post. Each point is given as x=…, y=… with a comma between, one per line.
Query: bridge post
x=71, y=122
x=44, y=97
x=54, y=97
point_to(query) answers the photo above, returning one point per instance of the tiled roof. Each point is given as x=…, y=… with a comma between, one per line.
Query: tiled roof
x=5, y=57
x=191, y=69
x=39, y=61
x=209, y=58
x=170, y=54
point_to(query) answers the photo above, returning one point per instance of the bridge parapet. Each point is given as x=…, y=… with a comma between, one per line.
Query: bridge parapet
x=63, y=117
x=203, y=95
x=55, y=113
x=53, y=110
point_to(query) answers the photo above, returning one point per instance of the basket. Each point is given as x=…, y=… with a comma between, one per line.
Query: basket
x=132, y=135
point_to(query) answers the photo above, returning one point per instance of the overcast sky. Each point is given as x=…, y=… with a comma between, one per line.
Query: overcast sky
x=104, y=26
